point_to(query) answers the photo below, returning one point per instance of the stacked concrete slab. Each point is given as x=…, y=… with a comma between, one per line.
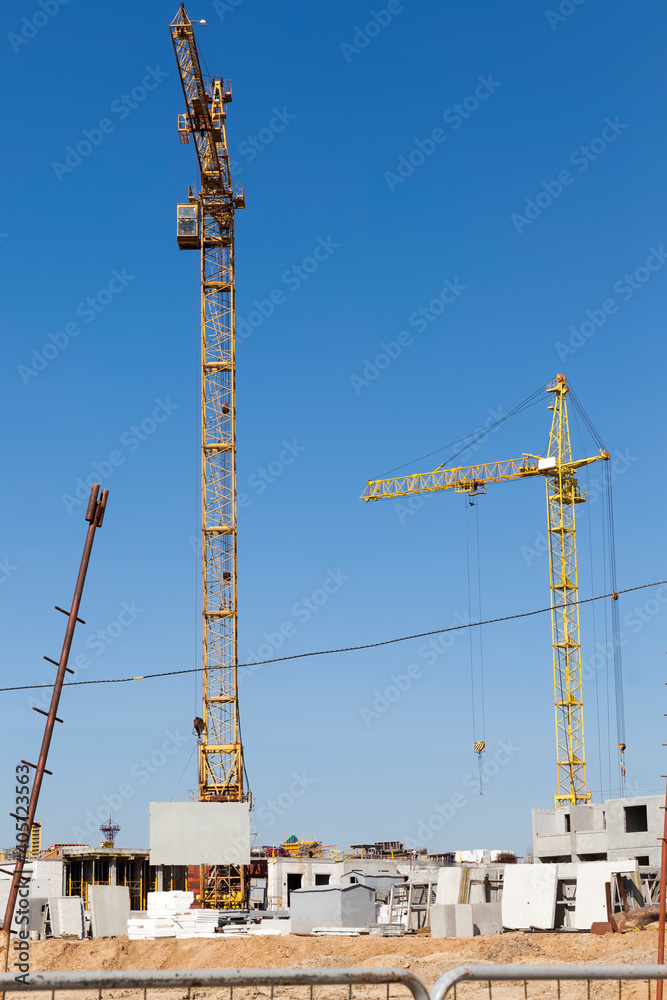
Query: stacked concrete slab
x=168, y=915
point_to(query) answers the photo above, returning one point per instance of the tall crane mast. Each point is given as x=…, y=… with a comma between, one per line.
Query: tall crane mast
x=563, y=494
x=206, y=223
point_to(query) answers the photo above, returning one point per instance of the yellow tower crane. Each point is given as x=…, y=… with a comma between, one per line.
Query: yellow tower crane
x=206, y=223
x=563, y=494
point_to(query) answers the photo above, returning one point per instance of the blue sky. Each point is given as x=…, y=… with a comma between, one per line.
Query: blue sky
x=534, y=199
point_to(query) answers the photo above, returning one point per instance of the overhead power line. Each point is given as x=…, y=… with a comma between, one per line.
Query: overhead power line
x=342, y=649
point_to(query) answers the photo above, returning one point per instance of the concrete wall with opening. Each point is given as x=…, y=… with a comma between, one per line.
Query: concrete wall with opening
x=619, y=828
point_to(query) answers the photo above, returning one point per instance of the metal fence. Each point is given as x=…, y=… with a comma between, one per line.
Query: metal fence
x=208, y=983
x=508, y=982
x=468, y=982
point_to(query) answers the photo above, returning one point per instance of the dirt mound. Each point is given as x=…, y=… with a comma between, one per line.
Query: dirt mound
x=504, y=949
x=427, y=957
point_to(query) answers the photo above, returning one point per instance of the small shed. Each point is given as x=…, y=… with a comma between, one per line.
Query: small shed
x=331, y=906
x=381, y=883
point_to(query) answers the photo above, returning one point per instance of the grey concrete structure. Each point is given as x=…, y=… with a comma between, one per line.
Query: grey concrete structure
x=109, y=910
x=367, y=866
x=331, y=906
x=36, y=906
x=473, y=883
x=617, y=828
x=382, y=884
x=199, y=833
x=529, y=896
x=487, y=918
x=465, y=919
x=46, y=879
x=448, y=891
x=452, y=920
x=285, y=875
x=66, y=916
x=590, y=901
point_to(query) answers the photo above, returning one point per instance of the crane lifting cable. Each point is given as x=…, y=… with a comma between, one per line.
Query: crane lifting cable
x=598, y=664
x=560, y=469
x=610, y=545
x=475, y=635
x=469, y=441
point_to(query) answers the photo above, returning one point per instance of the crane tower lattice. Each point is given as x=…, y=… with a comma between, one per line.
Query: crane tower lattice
x=563, y=494
x=206, y=223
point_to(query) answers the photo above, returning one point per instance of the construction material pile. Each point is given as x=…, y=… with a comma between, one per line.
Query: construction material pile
x=169, y=915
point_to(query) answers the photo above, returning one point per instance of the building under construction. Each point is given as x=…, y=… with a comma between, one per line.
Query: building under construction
x=390, y=884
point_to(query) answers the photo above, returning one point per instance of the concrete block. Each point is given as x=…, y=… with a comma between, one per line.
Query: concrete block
x=109, y=909
x=303, y=926
x=590, y=903
x=529, y=896
x=66, y=913
x=451, y=920
x=449, y=886
x=276, y=926
x=463, y=920
x=199, y=833
x=442, y=920
x=487, y=918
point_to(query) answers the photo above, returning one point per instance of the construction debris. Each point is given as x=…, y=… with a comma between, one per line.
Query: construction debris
x=640, y=916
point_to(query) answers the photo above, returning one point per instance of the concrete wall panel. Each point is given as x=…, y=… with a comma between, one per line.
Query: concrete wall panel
x=590, y=904
x=109, y=910
x=199, y=833
x=449, y=887
x=487, y=918
x=529, y=896
x=452, y=920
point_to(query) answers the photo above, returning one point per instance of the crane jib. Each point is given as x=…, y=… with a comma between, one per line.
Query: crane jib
x=563, y=495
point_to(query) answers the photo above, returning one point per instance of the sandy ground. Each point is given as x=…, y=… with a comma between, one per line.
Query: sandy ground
x=427, y=958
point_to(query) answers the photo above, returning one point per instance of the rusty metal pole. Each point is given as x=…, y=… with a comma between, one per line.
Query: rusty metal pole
x=663, y=881
x=94, y=515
